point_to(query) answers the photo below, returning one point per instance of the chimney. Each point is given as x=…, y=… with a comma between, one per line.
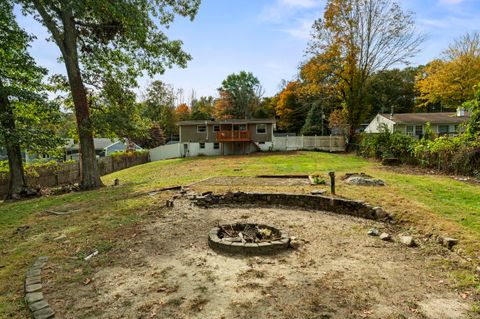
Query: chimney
x=460, y=111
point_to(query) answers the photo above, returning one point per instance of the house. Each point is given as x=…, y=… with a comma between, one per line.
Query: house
x=442, y=123
x=103, y=147
x=225, y=137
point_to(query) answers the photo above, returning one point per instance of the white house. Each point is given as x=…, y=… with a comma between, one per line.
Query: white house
x=442, y=123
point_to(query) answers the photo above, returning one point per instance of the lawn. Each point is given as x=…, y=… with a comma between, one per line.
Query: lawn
x=427, y=204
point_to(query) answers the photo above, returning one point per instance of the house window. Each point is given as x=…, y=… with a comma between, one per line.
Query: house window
x=409, y=130
x=419, y=130
x=443, y=129
x=261, y=128
x=216, y=128
x=216, y=146
x=201, y=128
x=202, y=146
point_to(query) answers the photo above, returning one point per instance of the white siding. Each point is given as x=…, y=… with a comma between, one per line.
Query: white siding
x=375, y=124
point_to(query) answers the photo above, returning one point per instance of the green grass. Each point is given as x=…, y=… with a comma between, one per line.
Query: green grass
x=105, y=215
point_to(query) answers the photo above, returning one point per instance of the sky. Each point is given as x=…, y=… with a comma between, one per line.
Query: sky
x=267, y=38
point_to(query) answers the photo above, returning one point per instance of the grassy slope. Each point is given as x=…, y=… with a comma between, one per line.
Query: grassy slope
x=435, y=204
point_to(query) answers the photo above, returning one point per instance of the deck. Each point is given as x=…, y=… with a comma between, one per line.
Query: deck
x=233, y=136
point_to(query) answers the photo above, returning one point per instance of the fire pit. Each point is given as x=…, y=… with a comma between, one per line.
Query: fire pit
x=248, y=238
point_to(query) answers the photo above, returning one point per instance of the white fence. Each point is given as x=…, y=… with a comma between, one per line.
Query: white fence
x=284, y=143
x=165, y=152
x=322, y=143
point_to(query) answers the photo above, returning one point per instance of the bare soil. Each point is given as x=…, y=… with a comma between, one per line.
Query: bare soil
x=166, y=270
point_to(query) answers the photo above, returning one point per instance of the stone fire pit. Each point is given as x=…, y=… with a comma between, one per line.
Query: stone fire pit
x=248, y=239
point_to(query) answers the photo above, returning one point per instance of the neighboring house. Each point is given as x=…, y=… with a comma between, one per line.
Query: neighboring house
x=413, y=124
x=103, y=147
x=225, y=137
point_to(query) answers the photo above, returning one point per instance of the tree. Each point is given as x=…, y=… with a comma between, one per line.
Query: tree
x=314, y=121
x=23, y=107
x=354, y=39
x=116, y=113
x=449, y=81
x=202, y=108
x=118, y=39
x=242, y=93
x=183, y=112
x=392, y=91
x=159, y=106
x=289, y=109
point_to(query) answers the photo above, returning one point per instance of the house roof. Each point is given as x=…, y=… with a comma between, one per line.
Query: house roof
x=433, y=118
x=100, y=143
x=229, y=121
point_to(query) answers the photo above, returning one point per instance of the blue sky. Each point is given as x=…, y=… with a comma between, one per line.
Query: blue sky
x=268, y=38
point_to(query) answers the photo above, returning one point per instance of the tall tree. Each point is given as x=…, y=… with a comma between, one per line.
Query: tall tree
x=392, y=91
x=117, y=39
x=159, y=106
x=202, y=108
x=183, y=112
x=355, y=38
x=244, y=92
x=289, y=109
x=23, y=106
x=450, y=81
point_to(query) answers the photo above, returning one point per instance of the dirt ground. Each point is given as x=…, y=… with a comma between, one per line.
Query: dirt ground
x=167, y=270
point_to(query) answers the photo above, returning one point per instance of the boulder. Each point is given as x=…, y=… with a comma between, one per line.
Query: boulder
x=373, y=232
x=385, y=237
x=364, y=181
x=408, y=241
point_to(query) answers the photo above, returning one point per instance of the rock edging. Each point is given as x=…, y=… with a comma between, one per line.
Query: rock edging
x=263, y=248
x=315, y=202
x=33, y=291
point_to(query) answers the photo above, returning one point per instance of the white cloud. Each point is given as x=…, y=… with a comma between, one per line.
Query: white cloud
x=301, y=30
x=300, y=3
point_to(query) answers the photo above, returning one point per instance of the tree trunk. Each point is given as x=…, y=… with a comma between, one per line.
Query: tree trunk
x=17, y=186
x=89, y=172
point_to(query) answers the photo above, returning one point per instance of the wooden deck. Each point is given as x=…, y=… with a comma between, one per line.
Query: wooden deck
x=233, y=136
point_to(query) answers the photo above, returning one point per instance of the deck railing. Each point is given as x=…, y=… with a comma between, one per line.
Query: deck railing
x=233, y=136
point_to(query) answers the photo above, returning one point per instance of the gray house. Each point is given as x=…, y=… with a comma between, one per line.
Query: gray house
x=226, y=137
x=442, y=123
x=103, y=147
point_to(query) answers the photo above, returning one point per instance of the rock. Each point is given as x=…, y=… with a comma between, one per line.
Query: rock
x=408, y=241
x=318, y=192
x=33, y=297
x=33, y=288
x=44, y=313
x=380, y=213
x=364, y=181
x=385, y=236
x=38, y=305
x=448, y=242
x=373, y=232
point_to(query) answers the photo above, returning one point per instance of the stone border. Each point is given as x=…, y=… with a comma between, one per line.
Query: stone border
x=33, y=291
x=315, y=202
x=264, y=248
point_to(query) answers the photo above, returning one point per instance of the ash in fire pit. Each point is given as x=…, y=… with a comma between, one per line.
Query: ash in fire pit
x=248, y=238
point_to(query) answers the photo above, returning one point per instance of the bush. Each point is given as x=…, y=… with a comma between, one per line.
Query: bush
x=386, y=144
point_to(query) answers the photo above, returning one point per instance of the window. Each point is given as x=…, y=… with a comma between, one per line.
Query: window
x=202, y=146
x=201, y=128
x=216, y=146
x=216, y=128
x=409, y=130
x=443, y=129
x=261, y=128
x=419, y=130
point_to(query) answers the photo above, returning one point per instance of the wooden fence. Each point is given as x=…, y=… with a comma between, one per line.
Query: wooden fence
x=69, y=172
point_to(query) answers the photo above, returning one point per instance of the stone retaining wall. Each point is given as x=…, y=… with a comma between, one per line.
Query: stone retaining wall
x=316, y=202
